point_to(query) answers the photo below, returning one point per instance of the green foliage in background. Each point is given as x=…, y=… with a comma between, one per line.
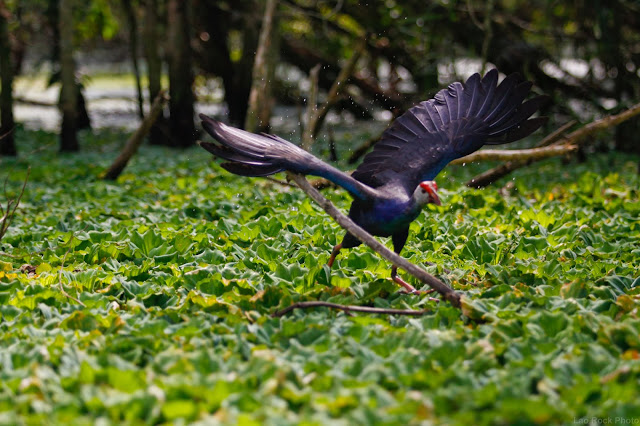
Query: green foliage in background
x=180, y=264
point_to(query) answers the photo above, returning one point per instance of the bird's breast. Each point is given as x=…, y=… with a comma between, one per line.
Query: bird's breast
x=384, y=217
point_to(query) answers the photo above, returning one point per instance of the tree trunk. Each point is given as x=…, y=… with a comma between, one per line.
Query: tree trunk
x=181, y=125
x=214, y=56
x=628, y=137
x=158, y=133
x=7, y=143
x=237, y=87
x=68, y=90
x=133, y=49
x=260, y=99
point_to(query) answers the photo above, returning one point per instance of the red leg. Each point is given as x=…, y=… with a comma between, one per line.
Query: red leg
x=334, y=253
x=408, y=287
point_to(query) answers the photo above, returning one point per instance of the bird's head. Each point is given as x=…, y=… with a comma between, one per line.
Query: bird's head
x=427, y=192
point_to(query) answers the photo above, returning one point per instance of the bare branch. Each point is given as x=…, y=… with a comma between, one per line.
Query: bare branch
x=315, y=115
x=350, y=308
x=578, y=137
x=278, y=181
x=557, y=134
x=557, y=143
x=516, y=154
x=137, y=138
x=449, y=294
x=340, y=82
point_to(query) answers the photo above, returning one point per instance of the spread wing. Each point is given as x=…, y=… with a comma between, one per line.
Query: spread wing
x=456, y=122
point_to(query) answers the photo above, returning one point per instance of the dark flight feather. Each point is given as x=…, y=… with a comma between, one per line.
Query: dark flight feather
x=456, y=122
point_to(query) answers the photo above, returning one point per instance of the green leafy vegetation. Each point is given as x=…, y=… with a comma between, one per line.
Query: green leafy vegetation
x=179, y=265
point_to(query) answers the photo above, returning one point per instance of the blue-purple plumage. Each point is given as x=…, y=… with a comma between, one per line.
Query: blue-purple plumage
x=457, y=121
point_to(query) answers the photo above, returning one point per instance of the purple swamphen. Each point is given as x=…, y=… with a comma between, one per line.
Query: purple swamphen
x=395, y=180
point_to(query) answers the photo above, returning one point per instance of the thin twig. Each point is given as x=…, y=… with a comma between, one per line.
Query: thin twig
x=447, y=293
x=12, y=256
x=12, y=206
x=350, y=308
x=363, y=149
x=315, y=115
x=279, y=181
x=557, y=134
x=340, y=83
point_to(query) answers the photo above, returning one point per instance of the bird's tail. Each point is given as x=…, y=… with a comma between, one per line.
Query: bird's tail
x=249, y=154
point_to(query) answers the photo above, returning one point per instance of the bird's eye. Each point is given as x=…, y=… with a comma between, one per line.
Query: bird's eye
x=423, y=191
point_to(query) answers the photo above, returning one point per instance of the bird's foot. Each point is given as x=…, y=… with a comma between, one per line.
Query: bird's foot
x=409, y=289
x=334, y=253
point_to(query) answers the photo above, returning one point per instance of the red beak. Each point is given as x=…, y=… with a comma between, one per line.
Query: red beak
x=435, y=199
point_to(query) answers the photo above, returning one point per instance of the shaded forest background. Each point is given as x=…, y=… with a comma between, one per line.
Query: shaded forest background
x=392, y=54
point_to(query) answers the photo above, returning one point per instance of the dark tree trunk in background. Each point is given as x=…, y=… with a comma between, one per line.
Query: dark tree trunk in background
x=181, y=125
x=68, y=89
x=158, y=135
x=53, y=21
x=237, y=83
x=627, y=134
x=214, y=56
x=133, y=49
x=7, y=143
x=260, y=98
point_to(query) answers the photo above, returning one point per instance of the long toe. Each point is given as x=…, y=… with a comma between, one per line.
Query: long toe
x=408, y=288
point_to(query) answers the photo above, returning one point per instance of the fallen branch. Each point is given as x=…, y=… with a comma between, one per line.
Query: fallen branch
x=578, y=137
x=447, y=293
x=137, y=138
x=535, y=154
x=488, y=177
x=558, y=141
x=350, y=308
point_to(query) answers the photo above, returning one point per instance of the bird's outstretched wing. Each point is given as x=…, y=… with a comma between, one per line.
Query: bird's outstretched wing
x=456, y=122
x=250, y=154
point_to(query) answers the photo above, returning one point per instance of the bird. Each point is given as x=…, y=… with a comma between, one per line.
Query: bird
x=396, y=178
